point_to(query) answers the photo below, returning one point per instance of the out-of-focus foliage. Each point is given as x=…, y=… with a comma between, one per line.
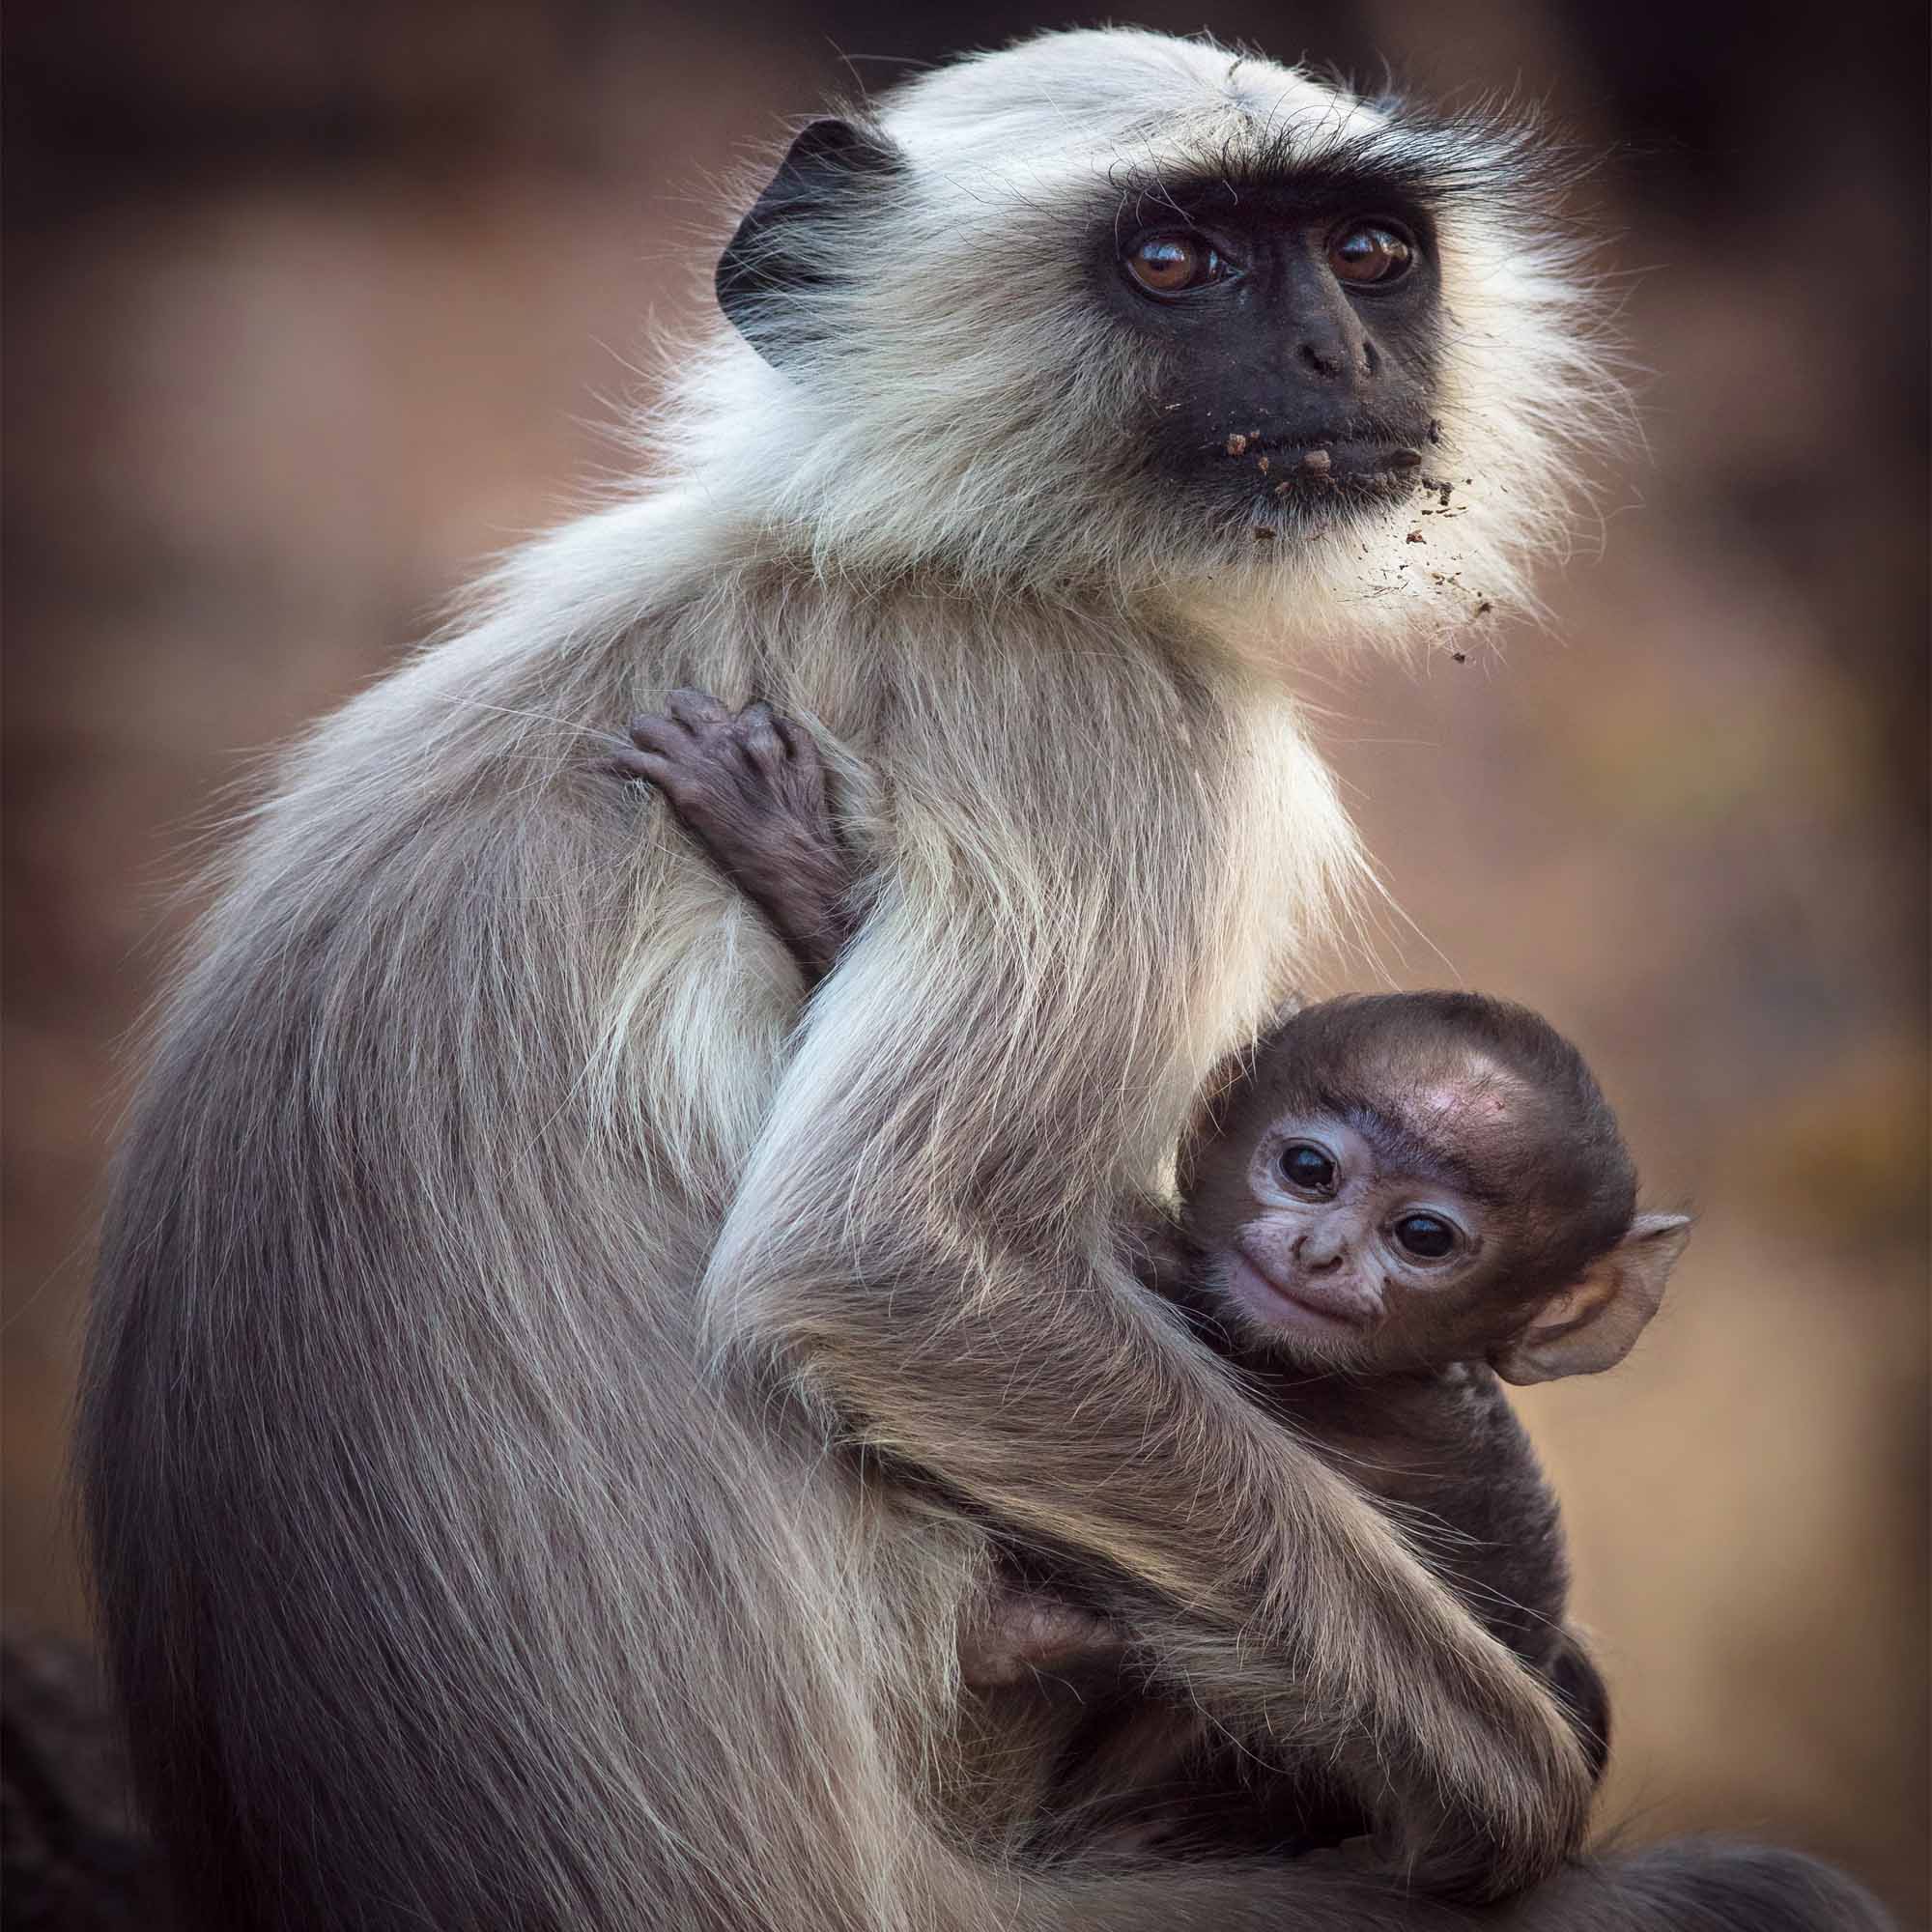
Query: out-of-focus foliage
x=310, y=307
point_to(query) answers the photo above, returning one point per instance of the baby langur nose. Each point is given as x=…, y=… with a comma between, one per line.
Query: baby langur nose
x=1321, y=1252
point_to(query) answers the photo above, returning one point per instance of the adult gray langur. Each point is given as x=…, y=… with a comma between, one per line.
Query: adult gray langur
x=550, y=1390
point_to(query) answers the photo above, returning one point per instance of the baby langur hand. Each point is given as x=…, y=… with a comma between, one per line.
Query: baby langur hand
x=750, y=787
x=1017, y=1633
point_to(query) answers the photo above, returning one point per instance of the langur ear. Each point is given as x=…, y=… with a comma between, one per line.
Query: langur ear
x=787, y=247
x=1593, y=1325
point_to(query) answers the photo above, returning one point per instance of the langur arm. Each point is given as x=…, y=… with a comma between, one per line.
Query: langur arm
x=1063, y=1400
x=749, y=787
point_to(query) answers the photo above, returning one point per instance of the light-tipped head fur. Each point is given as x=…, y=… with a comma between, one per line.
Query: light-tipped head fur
x=924, y=380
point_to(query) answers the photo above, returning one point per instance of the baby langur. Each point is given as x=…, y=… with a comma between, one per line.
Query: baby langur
x=1396, y=1204
x=1391, y=1203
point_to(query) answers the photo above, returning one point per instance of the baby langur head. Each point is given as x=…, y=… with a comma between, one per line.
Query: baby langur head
x=1410, y=1181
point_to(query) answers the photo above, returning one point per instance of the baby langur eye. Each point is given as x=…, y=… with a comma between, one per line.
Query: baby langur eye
x=1426, y=1236
x=1308, y=1168
x=1171, y=265
x=1369, y=253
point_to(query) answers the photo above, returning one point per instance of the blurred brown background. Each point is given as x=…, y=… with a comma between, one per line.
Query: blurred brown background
x=311, y=304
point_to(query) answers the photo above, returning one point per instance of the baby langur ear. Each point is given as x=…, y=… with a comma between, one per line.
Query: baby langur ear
x=1592, y=1324
x=800, y=234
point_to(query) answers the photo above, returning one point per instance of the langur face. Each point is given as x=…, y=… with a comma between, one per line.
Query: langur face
x=1294, y=328
x=1139, y=322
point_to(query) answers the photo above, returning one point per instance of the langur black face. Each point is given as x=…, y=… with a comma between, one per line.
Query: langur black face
x=1247, y=347
x=1295, y=328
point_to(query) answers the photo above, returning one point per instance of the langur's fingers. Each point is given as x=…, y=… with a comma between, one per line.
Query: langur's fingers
x=758, y=740
x=647, y=765
x=800, y=747
x=662, y=774
x=695, y=708
x=804, y=767
x=650, y=732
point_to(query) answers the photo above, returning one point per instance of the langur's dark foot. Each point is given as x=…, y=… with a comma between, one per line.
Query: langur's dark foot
x=750, y=788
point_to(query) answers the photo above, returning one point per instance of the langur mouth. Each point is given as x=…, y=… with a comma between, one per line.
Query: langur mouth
x=1340, y=470
x=1305, y=1306
x=1334, y=470
x=1289, y=464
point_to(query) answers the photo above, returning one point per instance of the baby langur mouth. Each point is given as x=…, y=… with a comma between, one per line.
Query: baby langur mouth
x=1312, y=1304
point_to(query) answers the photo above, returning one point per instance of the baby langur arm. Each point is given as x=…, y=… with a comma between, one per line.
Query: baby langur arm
x=750, y=787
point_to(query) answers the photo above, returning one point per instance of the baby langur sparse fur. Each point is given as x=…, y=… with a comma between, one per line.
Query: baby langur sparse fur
x=1389, y=1203
x=551, y=1396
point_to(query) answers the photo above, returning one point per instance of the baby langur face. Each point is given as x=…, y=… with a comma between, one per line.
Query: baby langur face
x=1406, y=1181
x=1347, y=1258
x=1367, y=1250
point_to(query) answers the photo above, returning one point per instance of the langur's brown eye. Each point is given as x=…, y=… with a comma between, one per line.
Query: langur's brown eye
x=1426, y=1236
x=1171, y=265
x=1367, y=254
x=1308, y=1168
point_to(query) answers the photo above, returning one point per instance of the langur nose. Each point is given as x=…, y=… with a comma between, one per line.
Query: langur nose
x=1318, y=1253
x=1323, y=354
x=1332, y=347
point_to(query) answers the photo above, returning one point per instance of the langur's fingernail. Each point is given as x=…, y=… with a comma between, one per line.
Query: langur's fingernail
x=1317, y=463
